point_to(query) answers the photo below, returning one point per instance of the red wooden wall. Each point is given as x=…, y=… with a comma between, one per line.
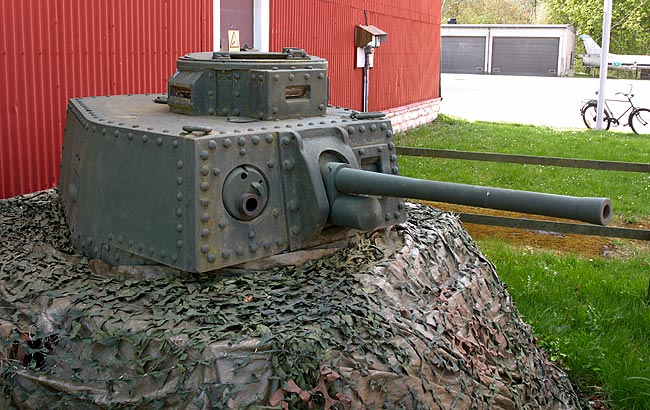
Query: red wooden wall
x=407, y=66
x=52, y=50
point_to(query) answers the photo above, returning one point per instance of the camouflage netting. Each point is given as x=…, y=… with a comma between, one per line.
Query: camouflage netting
x=412, y=318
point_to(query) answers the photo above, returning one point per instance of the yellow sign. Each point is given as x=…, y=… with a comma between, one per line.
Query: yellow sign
x=233, y=40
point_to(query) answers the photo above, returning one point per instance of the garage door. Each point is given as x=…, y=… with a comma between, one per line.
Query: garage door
x=525, y=56
x=462, y=55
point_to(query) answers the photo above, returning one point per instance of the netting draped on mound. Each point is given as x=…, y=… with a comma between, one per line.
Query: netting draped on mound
x=414, y=317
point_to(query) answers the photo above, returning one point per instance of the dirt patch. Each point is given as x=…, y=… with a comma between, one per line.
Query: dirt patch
x=583, y=245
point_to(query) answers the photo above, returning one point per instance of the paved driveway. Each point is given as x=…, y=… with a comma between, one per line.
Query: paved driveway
x=550, y=101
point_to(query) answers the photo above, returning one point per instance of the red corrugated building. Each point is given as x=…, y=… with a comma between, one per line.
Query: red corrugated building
x=52, y=50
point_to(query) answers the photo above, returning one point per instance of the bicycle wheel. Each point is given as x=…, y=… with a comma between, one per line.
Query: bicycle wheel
x=590, y=113
x=640, y=121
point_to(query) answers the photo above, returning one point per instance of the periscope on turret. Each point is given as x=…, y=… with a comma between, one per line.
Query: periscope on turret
x=243, y=159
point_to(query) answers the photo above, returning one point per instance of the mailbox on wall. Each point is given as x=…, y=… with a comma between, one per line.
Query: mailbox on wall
x=366, y=39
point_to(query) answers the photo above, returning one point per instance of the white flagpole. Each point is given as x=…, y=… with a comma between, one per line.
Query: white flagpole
x=607, y=22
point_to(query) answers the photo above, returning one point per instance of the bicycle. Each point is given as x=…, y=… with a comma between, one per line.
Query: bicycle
x=638, y=119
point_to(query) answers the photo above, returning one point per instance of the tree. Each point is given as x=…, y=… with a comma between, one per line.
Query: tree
x=490, y=11
x=630, y=33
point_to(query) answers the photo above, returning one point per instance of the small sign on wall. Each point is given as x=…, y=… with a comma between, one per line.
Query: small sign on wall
x=233, y=41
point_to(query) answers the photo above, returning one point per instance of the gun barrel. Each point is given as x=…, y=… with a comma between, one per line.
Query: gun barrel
x=587, y=209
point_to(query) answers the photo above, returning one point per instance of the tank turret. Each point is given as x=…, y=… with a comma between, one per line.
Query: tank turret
x=244, y=159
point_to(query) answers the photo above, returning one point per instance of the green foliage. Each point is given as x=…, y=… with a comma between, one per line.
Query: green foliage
x=490, y=11
x=630, y=31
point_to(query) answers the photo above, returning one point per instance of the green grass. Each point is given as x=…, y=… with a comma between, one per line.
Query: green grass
x=630, y=192
x=592, y=315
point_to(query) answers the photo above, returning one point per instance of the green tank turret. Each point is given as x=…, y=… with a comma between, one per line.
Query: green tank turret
x=243, y=159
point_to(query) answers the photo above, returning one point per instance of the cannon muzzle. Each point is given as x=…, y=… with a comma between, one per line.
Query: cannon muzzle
x=347, y=180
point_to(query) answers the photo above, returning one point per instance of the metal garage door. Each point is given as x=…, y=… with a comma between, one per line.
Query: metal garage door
x=462, y=55
x=525, y=56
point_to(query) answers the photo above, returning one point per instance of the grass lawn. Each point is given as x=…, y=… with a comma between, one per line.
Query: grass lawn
x=592, y=314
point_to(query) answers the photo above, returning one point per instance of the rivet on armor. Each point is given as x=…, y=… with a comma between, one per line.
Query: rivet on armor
x=391, y=146
x=276, y=77
x=179, y=180
x=212, y=257
x=286, y=141
x=225, y=254
x=291, y=77
x=116, y=133
x=251, y=234
x=205, y=155
x=174, y=258
x=205, y=217
x=380, y=149
x=141, y=246
x=242, y=152
x=129, y=244
x=205, y=232
x=400, y=205
x=289, y=164
x=361, y=151
x=163, y=254
x=227, y=143
x=205, y=202
x=104, y=131
x=205, y=186
x=383, y=126
x=396, y=215
x=144, y=138
x=393, y=158
x=253, y=247
x=321, y=76
x=205, y=248
x=293, y=206
x=179, y=244
x=179, y=228
x=216, y=172
x=120, y=239
x=175, y=143
x=307, y=76
x=373, y=127
x=205, y=171
x=275, y=110
x=239, y=251
x=276, y=212
x=159, y=141
x=256, y=140
x=179, y=164
x=222, y=225
x=212, y=144
x=236, y=94
x=236, y=76
x=362, y=128
x=270, y=164
x=395, y=170
x=387, y=217
x=110, y=236
x=351, y=130
x=321, y=107
x=389, y=134
x=266, y=244
x=165, y=131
